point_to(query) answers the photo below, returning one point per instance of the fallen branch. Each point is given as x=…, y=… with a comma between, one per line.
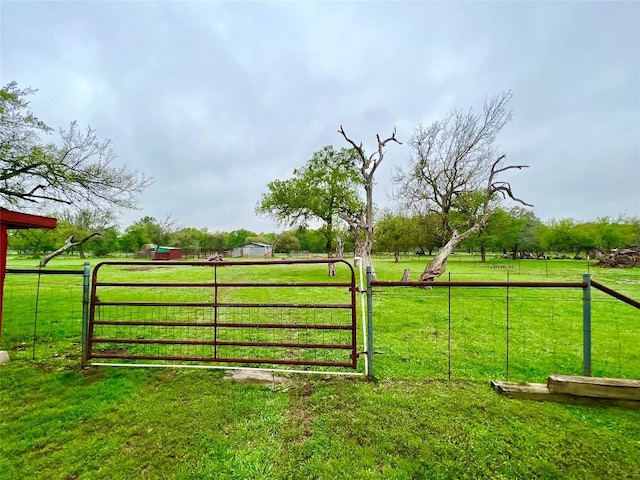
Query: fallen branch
x=69, y=243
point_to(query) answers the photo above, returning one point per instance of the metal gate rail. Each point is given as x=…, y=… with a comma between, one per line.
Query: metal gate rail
x=223, y=330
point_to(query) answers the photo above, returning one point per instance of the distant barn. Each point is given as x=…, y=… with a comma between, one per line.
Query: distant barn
x=167, y=253
x=251, y=250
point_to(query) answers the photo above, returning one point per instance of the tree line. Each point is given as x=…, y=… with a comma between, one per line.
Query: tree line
x=514, y=232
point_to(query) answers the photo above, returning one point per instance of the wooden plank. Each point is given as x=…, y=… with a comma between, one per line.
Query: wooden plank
x=597, y=387
x=540, y=392
x=526, y=391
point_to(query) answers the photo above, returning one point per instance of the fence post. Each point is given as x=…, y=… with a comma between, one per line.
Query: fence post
x=368, y=366
x=507, y=332
x=449, y=329
x=85, y=312
x=586, y=325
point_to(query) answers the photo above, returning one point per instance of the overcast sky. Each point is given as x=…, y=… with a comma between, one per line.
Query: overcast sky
x=215, y=99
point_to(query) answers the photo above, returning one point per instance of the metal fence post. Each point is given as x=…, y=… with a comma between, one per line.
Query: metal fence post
x=586, y=325
x=507, y=332
x=85, y=312
x=368, y=366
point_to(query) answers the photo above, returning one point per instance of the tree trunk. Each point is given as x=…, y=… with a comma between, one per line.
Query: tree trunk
x=339, y=254
x=483, y=253
x=438, y=265
x=69, y=243
x=339, y=248
x=363, y=252
x=332, y=269
x=331, y=266
x=396, y=256
x=406, y=275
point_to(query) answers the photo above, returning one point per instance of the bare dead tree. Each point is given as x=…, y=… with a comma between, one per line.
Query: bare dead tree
x=454, y=165
x=361, y=223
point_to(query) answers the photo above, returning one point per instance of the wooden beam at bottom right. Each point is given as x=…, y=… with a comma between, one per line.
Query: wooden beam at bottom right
x=616, y=388
x=540, y=392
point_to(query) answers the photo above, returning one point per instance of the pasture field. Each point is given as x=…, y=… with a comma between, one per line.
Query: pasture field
x=430, y=414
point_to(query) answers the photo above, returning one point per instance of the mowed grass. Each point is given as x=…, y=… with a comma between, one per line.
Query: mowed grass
x=60, y=421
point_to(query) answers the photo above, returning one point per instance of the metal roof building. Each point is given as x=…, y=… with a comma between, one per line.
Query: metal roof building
x=251, y=250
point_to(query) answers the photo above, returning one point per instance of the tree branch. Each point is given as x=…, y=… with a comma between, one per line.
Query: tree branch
x=503, y=188
x=69, y=243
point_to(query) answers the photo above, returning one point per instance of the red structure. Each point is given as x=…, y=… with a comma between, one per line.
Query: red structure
x=167, y=253
x=16, y=220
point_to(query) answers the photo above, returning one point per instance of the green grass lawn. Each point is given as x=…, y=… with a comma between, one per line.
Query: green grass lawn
x=60, y=421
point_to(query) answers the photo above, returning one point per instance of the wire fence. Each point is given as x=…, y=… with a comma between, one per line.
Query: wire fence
x=42, y=316
x=511, y=333
x=457, y=333
x=615, y=337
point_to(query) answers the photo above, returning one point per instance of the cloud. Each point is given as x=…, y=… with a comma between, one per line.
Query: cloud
x=214, y=100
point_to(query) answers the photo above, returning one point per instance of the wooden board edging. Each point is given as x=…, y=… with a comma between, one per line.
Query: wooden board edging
x=597, y=387
x=540, y=392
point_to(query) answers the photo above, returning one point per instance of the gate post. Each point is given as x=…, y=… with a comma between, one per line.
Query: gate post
x=586, y=325
x=85, y=313
x=368, y=366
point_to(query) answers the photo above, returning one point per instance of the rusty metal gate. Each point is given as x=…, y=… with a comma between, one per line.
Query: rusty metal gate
x=223, y=312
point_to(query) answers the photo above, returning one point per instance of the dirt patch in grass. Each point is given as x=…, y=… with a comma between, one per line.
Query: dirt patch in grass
x=299, y=416
x=92, y=375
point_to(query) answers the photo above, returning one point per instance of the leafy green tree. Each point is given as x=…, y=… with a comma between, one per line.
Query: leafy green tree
x=324, y=188
x=603, y=234
x=428, y=232
x=634, y=230
x=286, y=242
x=557, y=237
x=237, y=238
x=620, y=233
x=529, y=238
x=395, y=233
x=77, y=171
x=188, y=239
x=78, y=224
x=213, y=242
x=312, y=240
x=107, y=244
x=585, y=237
x=513, y=230
x=134, y=237
x=490, y=237
x=262, y=238
x=33, y=242
x=148, y=230
x=66, y=229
